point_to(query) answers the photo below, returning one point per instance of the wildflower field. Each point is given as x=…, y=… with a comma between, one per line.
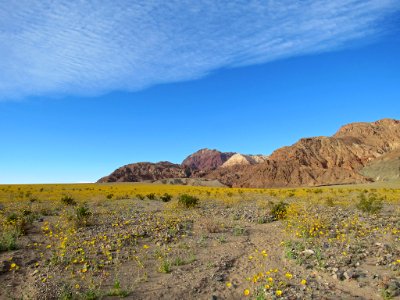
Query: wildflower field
x=145, y=241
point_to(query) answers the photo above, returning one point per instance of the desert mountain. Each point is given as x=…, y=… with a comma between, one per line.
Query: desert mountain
x=244, y=160
x=145, y=171
x=358, y=152
x=319, y=160
x=206, y=160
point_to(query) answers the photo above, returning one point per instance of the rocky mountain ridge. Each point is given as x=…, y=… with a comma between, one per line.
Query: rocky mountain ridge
x=244, y=159
x=338, y=159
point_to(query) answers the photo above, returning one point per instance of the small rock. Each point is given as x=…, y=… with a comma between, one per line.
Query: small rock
x=308, y=252
x=218, y=277
x=349, y=274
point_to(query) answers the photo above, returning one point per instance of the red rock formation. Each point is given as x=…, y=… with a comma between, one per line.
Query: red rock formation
x=206, y=160
x=309, y=162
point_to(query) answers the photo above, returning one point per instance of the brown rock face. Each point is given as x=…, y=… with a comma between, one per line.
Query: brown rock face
x=206, y=160
x=145, y=171
x=358, y=152
x=319, y=160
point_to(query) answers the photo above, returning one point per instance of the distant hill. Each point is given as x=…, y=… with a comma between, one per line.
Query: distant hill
x=145, y=171
x=357, y=153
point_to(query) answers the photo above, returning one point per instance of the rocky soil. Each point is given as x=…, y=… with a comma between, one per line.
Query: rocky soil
x=319, y=244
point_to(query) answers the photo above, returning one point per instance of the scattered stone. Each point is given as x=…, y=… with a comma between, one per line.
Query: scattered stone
x=308, y=252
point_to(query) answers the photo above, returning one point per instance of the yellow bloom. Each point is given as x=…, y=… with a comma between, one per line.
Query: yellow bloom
x=267, y=287
x=270, y=279
x=228, y=284
x=77, y=286
x=288, y=276
x=246, y=292
x=14, y=266
x=278, y=293
x=146, y=247
x=303, y=282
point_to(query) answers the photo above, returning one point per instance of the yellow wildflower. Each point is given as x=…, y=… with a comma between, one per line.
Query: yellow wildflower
x=288, y=276
x=246, y=292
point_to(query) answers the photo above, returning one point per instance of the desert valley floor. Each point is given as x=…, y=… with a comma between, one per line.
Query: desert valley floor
x=144, y=241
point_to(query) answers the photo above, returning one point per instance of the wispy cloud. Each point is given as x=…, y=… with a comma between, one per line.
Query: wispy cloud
x=93, y=47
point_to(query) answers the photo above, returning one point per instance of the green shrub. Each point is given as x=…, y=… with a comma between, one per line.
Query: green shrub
x=369, y=203
x=68, y=200
x=109, y=196
x=165, y=267
x=279, y=210
x=117, y=291
x=329, y=202
x=140, y=196
x=166, y=197
x=151, y=196
x=188, y=200
x=238, y=231
x=8, y=239
x=19, y=222
x=82, y=215
x=13, y=217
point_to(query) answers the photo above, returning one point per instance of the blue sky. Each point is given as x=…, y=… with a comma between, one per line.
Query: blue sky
x=86, y=87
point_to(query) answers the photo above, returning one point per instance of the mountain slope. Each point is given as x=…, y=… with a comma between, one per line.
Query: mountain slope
x=358, y=152
x=384, y=168
x=206, y=159
x=319, y=160
x=145, y=171
x=242, y=159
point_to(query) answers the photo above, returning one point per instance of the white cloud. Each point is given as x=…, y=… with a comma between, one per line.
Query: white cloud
x=93, y=47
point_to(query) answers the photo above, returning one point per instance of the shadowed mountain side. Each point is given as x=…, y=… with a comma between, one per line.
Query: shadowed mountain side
x=145, y=171
x=284, y=174
x=384, y=168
